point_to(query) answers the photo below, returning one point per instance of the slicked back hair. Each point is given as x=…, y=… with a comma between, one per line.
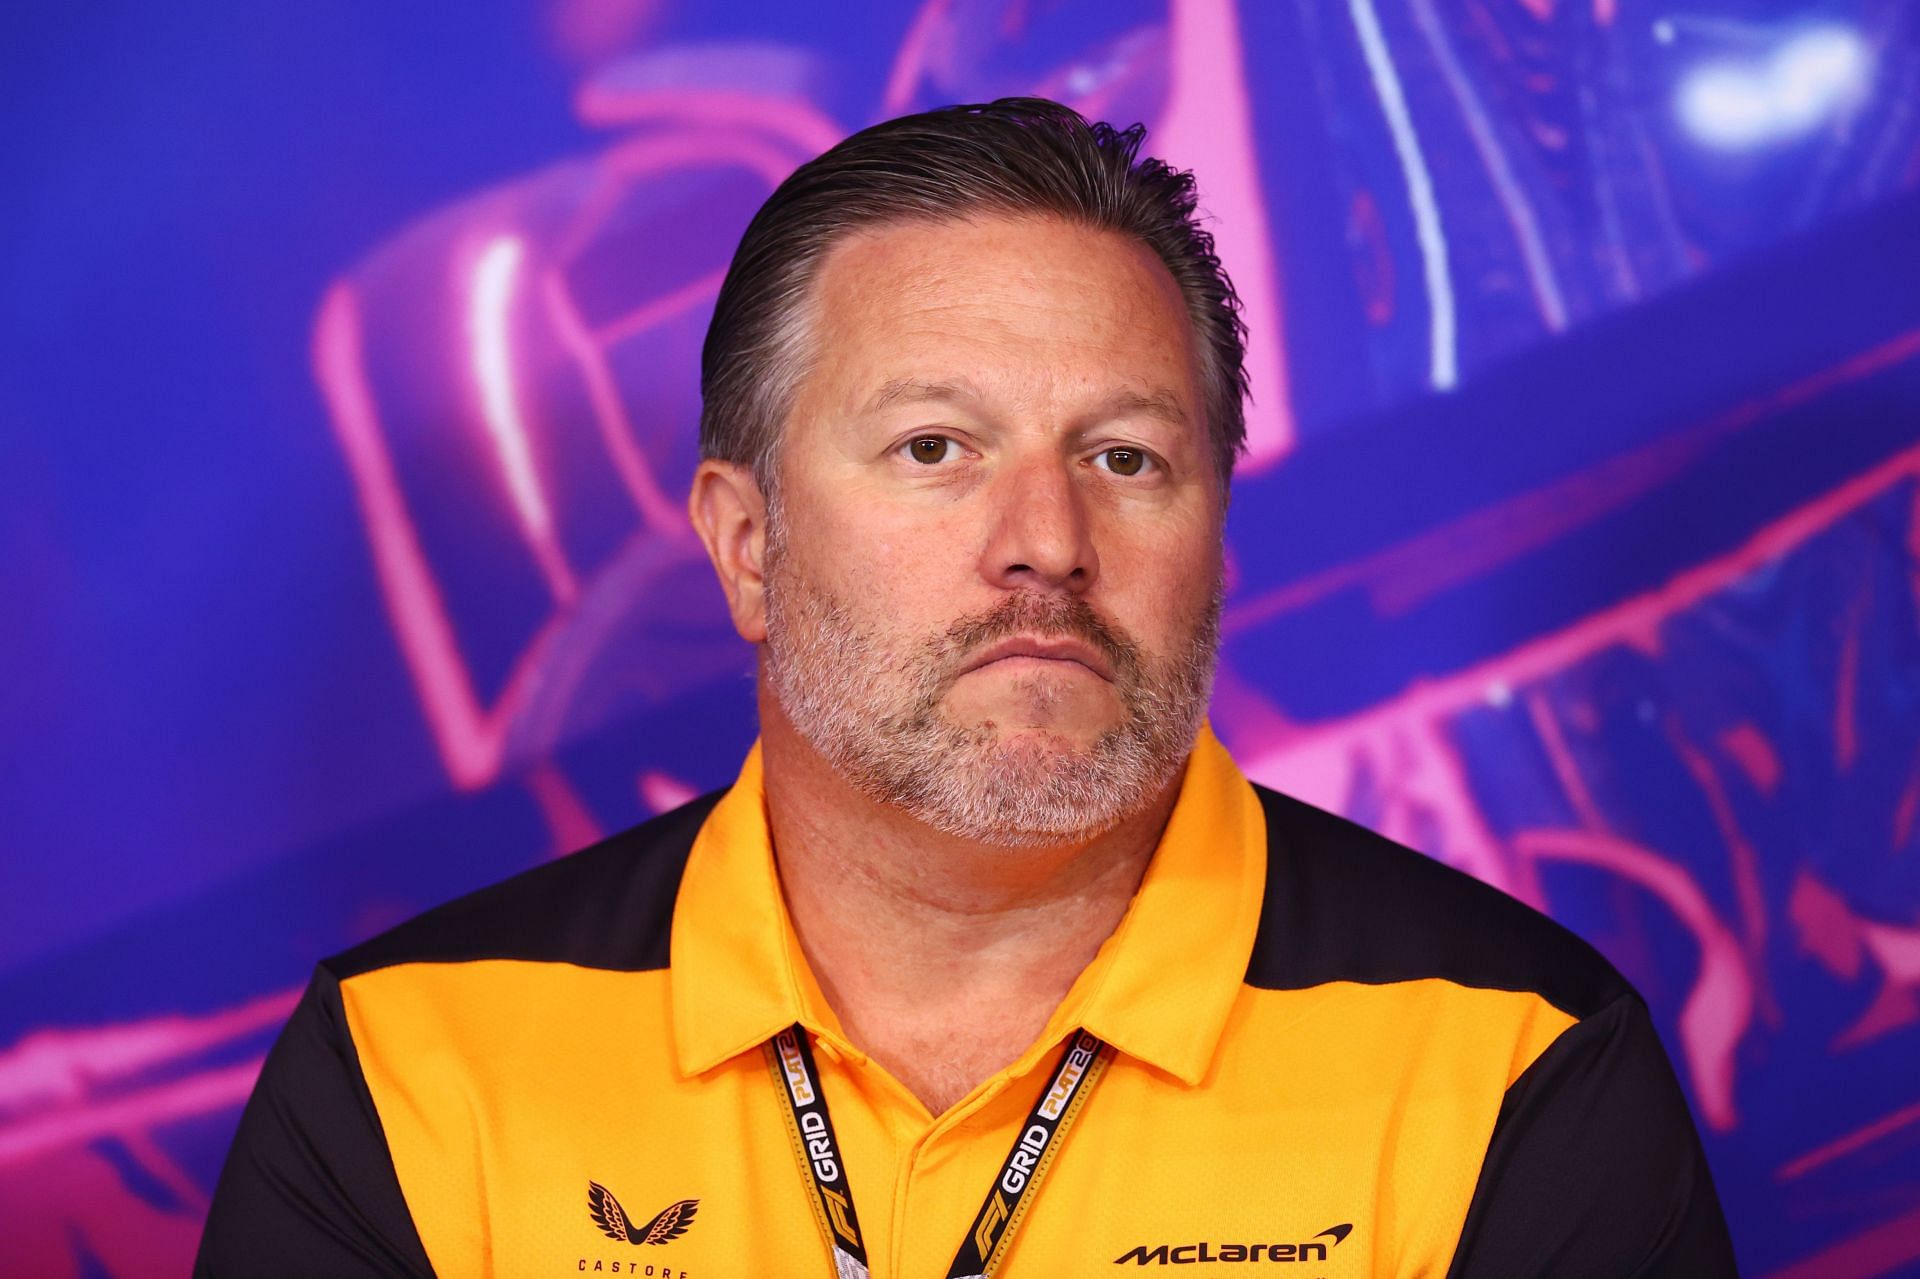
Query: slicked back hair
x=1012, y=157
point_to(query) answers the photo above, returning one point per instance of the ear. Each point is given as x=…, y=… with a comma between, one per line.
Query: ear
x=730, y=515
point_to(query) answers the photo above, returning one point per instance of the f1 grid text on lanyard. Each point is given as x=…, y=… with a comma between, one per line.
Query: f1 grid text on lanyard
x=790, y=1058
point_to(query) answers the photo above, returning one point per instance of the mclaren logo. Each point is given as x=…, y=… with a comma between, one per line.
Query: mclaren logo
x=1187, y=1254
x=671, y=1222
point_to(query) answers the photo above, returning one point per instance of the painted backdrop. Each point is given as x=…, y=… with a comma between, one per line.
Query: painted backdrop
x=349, y=391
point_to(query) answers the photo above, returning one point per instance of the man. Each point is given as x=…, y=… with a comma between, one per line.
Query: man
x=991, y=961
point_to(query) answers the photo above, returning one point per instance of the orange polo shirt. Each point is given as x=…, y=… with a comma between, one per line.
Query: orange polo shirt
x=1331, y=1057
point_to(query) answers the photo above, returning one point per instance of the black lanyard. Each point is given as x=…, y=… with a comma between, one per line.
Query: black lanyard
x=790, y=1057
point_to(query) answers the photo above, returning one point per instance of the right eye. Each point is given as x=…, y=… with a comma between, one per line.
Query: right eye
x=929, y=450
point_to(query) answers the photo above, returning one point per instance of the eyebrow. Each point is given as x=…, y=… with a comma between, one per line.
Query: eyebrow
x=913, y=390
x=1159, y=403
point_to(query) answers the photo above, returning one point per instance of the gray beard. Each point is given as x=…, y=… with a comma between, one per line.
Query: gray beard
x=874, y=715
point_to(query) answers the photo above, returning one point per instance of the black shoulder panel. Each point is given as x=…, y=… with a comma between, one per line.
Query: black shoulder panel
x=309, y=1186
x=1345, y=904
x=606, y=906
x=1595, y=1167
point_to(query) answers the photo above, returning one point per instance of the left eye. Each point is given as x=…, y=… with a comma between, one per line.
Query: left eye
x=1123, y=461
x=930, y=450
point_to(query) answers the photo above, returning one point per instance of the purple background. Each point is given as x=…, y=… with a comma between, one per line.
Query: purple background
x=350, y=388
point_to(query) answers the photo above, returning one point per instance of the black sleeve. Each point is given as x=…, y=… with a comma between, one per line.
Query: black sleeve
x=1594, y=1167
x=309, y=1186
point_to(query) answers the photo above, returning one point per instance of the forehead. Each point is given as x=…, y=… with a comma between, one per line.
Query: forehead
x=1024, y=307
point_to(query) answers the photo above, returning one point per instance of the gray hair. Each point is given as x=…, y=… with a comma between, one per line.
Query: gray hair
x=1013, y=156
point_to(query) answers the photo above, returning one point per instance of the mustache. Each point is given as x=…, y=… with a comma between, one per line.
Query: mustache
x=1048, y=616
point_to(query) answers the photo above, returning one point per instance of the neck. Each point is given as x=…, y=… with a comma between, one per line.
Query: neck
x=911, y=932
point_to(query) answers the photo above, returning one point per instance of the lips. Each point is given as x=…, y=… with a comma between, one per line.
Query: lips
x=1055, y=649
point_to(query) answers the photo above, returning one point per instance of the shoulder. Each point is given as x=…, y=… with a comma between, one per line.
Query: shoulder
x=607, y=906
x=1346, y=904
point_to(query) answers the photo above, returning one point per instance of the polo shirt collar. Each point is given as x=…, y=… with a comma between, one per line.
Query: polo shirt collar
x=1163, y=985
x=1160, y=989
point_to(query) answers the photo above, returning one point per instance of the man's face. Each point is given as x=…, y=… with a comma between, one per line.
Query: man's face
x=993, y=573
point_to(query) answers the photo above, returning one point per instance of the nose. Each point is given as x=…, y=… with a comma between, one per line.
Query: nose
x=1042, y=536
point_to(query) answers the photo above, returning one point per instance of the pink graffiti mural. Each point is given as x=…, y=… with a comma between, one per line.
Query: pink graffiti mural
x=67, y=1094
x=1405, y=741
x=1846, y=944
